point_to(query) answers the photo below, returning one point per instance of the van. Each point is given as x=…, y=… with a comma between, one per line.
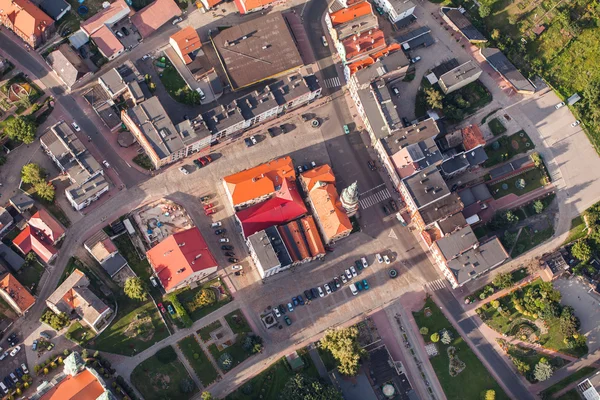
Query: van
x=353, y=289
x=324, y=40
x=119, y=34
x=201, y=93
x=153, y=281
x=4, y=388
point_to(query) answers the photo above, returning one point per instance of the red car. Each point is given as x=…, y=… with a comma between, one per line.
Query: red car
x=207, y=206
x=210, y=211
x=162, y=308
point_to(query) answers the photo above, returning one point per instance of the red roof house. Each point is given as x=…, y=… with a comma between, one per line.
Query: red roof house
x=33, y=239
x=26, y=20
x=181, y=259
x=284, y=206
x=155, y=15
x=246, y=6
x=46, y=223
x=472, y=137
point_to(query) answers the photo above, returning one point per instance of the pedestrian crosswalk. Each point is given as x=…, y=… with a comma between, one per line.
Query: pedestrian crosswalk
x=375, y=198
x=438, y=284
x=333, y=82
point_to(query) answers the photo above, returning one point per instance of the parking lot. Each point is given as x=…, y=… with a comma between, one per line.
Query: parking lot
x=9, y=363
x=129, y=37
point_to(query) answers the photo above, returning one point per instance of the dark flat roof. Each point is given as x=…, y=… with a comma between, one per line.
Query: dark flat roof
x=257, y=50
x=503, y=66
x=509, y=167
x=413, y=134
x=463, y=24
x=427, y=186
x=442, y=208
x=445, y=67
x=415, y=33
x=475, y=262
x=474, y=194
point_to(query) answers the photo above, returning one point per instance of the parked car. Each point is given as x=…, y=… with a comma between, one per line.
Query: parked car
x=230, y=254
x=14, y=377
x=177, y=20
x=145, y=57
x=8, y=382
x=346, y=129
x=277, y=313
x=75, y=126
x=560, y=105
x=386, y=259
x=348, y=274
x=248, y=142
x=365, y=284
x=15, y=351
x=207, y=206
x=358, y=264
x=344, y=279
x=574, y=124
x=353, y=289
x=353, y=271
x=33, y=347
x=125, y=31
x=50, y=346
x=153, y=281
x=364, y=262
x=287, y=320
x=206, y=160
x=337, y=283
x=217, y=224
x=197, y=163
x=308, y=295
x=300, y=299
x=210, y=211
x=281, y=309
x=372, y=165
x=224, y=240
x=233, y=260
x=315, y=293
x=5, y=354
x=237, y=267
x=120, y=35
x=183, y=171
x=24, y=368
x=379, y=10
x=171, y=309
x=324, y=40
x=327, y=288
x=283, y=129
x=4, y=388
x=386, y=210
x=271, y=132
x=19, y=372
x=393, y=205
x=253, y=140
x=321, y=293
x=416, y=59
x=395, y=90
x=205, y=198
x=161, y=308
x=290, y=307
x=12, y=339
x=332, y=286
x=295, y=301
x=220, y=231
x=359, y=286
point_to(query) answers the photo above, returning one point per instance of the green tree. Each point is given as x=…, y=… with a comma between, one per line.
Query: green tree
x=302, y=387
x=205, y=297
x=495, y=303
x=45, y=190
x=343, y=345
x=495, y=34
x=446, y=339
x=32, y=173
x=424, y=330
x=434, y=98
x=134, y=289
x=542, y=371
x=435, y=337
x=225, y=361
x=503, y=281
x=484, y=10
x=511, y=217
x=538, y=206
x=21, y=128
x=187, y=385
x=582, y=251
x=490, y=395
x=206, y=396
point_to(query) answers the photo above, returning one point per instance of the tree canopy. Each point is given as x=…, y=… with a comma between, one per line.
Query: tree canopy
x=32, y=173
x=582, y=251
x=21, y=128
x=134, y=289
x=343, y=345
x=301, y=387
x=434, y=98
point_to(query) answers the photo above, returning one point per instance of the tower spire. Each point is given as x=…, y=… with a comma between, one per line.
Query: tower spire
x=349, y=199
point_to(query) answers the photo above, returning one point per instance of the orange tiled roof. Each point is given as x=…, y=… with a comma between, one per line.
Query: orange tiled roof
x=371, y=59
x=329, y=210
x=179, y=256
x=315, y=244
x=348, y=14
x=472, y=137
x=364, y=43
x=83, y=386
x=46, y=223
x=259, y=181
x=245, y=6
x=155, y=15
x=322, y=173
x=212, y=3
x=26, y=16
x=17, y=292
x=294, y=241
x=31, y=239
x=187, y=40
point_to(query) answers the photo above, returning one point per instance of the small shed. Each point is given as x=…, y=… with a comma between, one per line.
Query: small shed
x=296, y=362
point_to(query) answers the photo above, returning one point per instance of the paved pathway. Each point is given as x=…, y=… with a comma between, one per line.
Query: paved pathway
x=316, y=358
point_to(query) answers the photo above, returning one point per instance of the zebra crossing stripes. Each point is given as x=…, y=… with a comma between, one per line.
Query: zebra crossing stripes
x=438, y=284
x=332, y=82
x=375, y=198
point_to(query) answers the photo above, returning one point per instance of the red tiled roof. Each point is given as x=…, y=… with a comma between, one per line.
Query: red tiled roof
x=332, y=216
x=179, y=256
x=286, y=205
x=106, y=41
x=315, y=244
x=26, y=16
x=83, y=386
x=472, y=137
x=17, y=292
x=364, y=44
x=106, y=16
x=46, y=223
x=245, y=6
x=155, y=15
x=212, y=3
x=322, y=173
x=348, y=14
x=31, y=239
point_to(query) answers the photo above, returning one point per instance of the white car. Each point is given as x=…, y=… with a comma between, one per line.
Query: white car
x=145, y=57
x=106, y=164
x=183, y=171
x=327, y=288
x=364, y=262
x=276, y=311
x=343, y=278
x=574, y=124
x=24, y=368
x=224, y=240
x=348, y=274
x=353, y=289
x=217, y=224
x=324, y=40
x=253, y=139
x=321, y=294
x=237, y=267
x=15, y=351
x=560, y=105
x=353, y=271
x=386, y=259
x=416, y=59
x=379, y=259
x=177, y=20
x=75, y=126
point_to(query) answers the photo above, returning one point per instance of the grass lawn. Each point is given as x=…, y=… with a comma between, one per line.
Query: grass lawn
x=126, y=248
x=528, y=239
x=532, y=358
x=578, y=230
x=480, y=231
x=506, y=147
x=269, y=384
x=496, y=127
x=237, y=322
x=574, y=377
x=30, y=275
x=136, y=327
x=79, y=333
x=205, y=332
x=474, y=379
x=54, y=209
x=465, y=101
x=327, y=358
x=421, y=99
x=176, y=86
x=534, y=178
x=198, y=360
x=237, y=352
x=570, y=395
x=144, y=161
x=157, y=380
x=187, y=295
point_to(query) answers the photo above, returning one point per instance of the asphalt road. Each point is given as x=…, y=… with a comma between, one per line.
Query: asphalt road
x=506, y=375
x=72, y=111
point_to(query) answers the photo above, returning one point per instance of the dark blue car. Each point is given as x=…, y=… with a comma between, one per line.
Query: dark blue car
x=300, y=299
x=295, y=301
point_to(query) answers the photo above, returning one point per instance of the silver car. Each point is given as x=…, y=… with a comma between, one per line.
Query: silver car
x=353, y=271
x=348, y=274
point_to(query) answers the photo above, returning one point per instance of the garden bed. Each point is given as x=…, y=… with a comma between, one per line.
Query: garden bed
x=519, y=184
x=237, y=322
x=198, y=360
x=205, y=332
x=187, y=296
x=496, y=127
x=506, y=147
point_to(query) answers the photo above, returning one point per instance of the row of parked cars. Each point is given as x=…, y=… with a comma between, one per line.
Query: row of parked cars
x=10, y=381
x=199, y=163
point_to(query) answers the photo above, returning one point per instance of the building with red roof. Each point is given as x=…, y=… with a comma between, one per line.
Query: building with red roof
x=247, y=6
x=284, y=206
x=40, y=235
x=181, y=259
x=361, y=45
x=155, y=15
x=46, y=223
x=186, y=44
x=15, y=294
x=472, y=137
x=27, y=21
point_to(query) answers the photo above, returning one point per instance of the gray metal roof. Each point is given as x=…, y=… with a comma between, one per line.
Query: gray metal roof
x=461, y=73
x=401, y=6
x=264, y=251
x=21, y=201
x=475, y=262
x=113, y=81
x=355, y=26
x=476, y=156
x=67, y=64
x=114, y=264
x=390, y=63
x=415, y=33
x=463, y=24
x=54, y=7
x=378, y=124
x=80, y=193
x=451, y=223
x=444, y=67
x=500, y=63
x=454, y=244
x=454, y=164
x=9, y=259
x=78, y=39
x=509, y=167
x=441, y=208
